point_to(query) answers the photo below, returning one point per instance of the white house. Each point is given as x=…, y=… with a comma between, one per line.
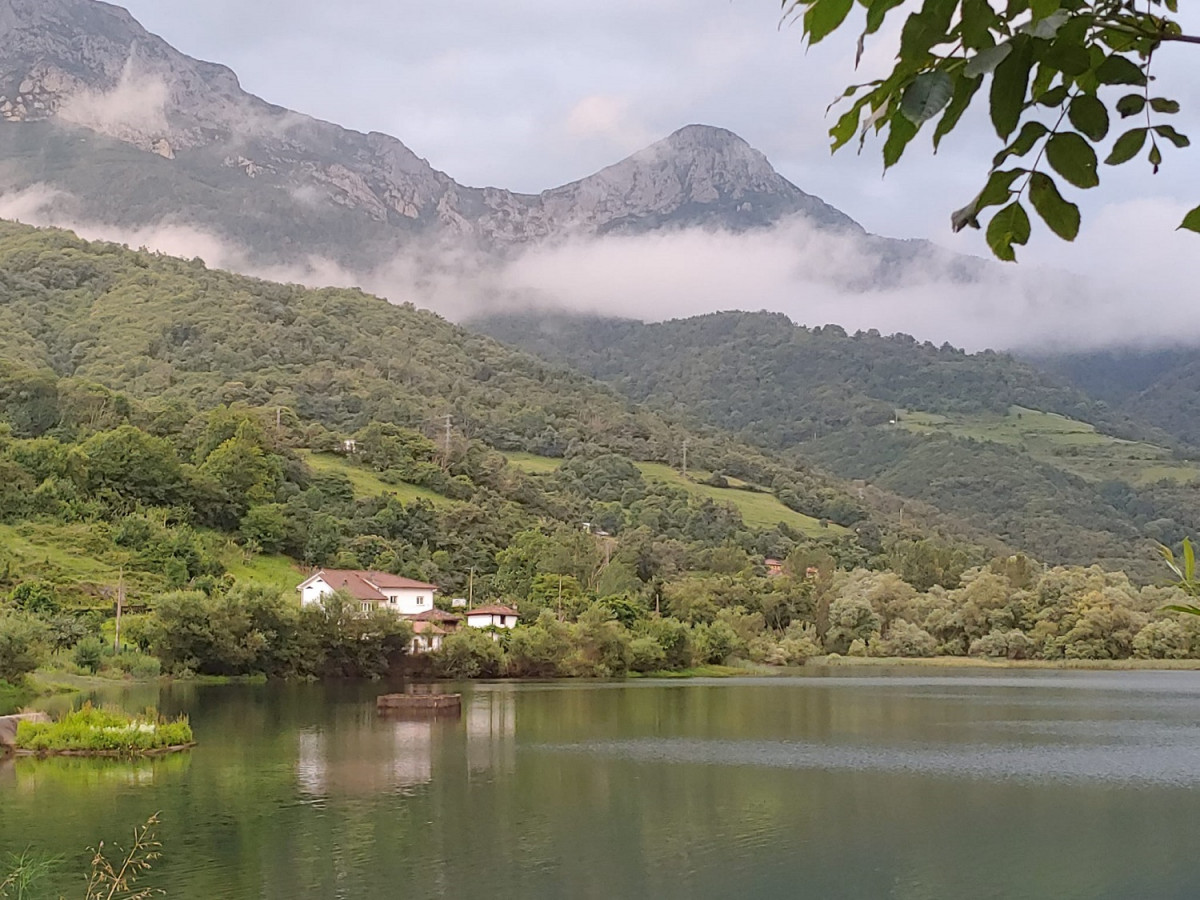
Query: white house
x=372, y=590
x=494, y=614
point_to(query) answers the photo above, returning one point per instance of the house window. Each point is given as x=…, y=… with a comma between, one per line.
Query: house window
x=420, y=601
x=392, y=601
x=366, y=607
x=502, y=620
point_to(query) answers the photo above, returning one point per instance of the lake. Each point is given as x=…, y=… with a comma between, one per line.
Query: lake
x=904, y=784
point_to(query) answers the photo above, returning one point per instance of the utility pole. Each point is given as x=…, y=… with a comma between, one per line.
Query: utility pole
x=685, y=450
x=471, y=589
x=449, y=429
x=120, y=603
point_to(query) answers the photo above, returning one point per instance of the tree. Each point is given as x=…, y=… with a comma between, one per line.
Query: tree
x=1056, y=68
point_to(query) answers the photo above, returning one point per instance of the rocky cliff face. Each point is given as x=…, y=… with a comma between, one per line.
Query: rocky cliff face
x=82, y=64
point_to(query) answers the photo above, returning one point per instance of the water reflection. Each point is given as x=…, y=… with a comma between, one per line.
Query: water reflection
x=1078, y=787
x=361, y=753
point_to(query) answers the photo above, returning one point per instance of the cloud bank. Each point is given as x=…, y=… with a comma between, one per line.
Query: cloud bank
x=813, y=275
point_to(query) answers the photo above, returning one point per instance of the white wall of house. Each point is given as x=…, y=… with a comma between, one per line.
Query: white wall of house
x=488, y=619
x=314, y=591
x=402, y=601
x=408, y=601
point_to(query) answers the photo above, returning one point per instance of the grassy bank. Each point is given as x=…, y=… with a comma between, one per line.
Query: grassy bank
x=966, y=662
x=93, y=730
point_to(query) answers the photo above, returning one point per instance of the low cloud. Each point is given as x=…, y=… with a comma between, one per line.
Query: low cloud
x=136, y=107
x=813, y=275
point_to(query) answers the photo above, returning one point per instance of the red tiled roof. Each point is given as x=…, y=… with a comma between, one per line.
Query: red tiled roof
x=366, y=585
x=385, y=580
x=352, y=582
x=494, y=609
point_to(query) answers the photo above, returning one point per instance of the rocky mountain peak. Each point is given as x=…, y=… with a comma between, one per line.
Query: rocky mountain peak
x=89, y=65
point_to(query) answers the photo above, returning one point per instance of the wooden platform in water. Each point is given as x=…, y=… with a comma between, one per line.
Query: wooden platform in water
x=420, y=704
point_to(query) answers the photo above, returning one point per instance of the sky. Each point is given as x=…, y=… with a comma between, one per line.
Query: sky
x=530, y=94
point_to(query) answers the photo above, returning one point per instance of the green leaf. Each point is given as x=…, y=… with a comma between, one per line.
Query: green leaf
x=1164, y=106
x=986, y=60
x=901, y=131
x=996, y=192
x=1061, y=216
x=824, y=17
x=1029, y=135
x=1166, y=131
x=1008, y=227
x=877, y=11
x=1191, y=221
x=978, y=19
x=1131, y=105
x=964, y=92
x=1054, y=97
x=1073, y=158
x=926, y=96
x=1119, y=70
x=1069, y=57
x=1010, y=83
x=1127, y=146
x=1089, y=116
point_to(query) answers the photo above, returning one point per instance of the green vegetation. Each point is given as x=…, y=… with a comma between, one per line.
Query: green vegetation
x=986, y=445
x=365, y=482
x=93, y=730
x=1062, y=62
x=1061, y=441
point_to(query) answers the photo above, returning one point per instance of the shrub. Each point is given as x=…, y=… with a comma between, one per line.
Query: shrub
x=469, y=653
x=538, y=650
x=104, y=730
x=89, y=653
x=646, y=655
x=22, y=646
x=907, y=639
x=1012, y=644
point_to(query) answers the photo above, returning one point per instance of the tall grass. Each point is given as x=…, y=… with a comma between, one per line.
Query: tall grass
x=91, y=729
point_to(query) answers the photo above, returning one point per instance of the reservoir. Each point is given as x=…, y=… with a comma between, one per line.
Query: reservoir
x=909, y=783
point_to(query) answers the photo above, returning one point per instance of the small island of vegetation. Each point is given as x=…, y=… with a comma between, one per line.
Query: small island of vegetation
x=92, y=731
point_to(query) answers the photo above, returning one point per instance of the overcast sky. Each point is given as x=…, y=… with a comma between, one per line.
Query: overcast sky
x=529, y=94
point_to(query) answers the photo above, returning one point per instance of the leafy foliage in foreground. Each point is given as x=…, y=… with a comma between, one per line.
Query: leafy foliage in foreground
x=1056, y=68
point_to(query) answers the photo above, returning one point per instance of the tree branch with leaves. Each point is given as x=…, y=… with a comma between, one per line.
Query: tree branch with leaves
x=1059, y=72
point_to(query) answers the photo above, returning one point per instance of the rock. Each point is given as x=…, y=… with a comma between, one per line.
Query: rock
x=163, y=148
x=8, y=726
x=26, y=86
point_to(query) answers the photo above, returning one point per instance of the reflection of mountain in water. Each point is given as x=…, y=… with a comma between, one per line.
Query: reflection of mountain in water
x=367, y=754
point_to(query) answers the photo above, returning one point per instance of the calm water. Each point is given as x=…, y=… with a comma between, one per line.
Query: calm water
x=1039, y=785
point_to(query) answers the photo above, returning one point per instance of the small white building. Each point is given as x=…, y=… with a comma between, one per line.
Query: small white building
x=372, y=590
x=492, y=615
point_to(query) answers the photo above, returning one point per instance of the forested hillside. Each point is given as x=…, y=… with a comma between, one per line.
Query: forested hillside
x=966, y=433
x=1159, y=385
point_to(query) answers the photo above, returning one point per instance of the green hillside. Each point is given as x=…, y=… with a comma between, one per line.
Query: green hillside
x=1067, y=443
x=187, y=427
x=759, y=508
x=987, y=439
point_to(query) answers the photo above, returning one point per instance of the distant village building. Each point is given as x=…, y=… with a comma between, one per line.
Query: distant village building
x=409, y=599
x=494, y=614
x=372, y=590
x=774, y=567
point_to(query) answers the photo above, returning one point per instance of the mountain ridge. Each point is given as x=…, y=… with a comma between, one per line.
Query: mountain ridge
x=84, y=64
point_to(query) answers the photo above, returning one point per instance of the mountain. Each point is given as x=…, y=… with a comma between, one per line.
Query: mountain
x=985, y=438
x=106, y=125
x=134, y=130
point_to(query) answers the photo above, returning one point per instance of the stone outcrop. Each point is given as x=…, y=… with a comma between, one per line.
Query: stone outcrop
x=8, y=728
